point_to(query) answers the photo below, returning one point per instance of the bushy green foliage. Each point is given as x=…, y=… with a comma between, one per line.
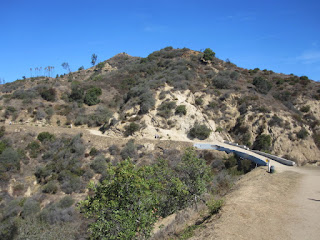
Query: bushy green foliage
x=45, y=136
x=208, y=54
x=130, y=200
x=262, y=142
x=199, y=131
x=262, y=85
x=181, y=110
x=215, y=205
x=91, y=96
x=122, y=205
x=131, y=129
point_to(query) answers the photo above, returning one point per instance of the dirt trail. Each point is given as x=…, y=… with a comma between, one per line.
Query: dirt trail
x=284, y=205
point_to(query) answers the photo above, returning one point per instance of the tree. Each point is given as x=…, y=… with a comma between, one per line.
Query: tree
x=122, y=205
x=66, y=66
x=208, y=54
x=94, y=59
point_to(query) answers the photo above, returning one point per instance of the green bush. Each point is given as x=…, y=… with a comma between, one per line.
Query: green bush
x=199, y=131
x=131, y=129
x=208, y=54
x=51, y=187
x=48, y=94
x=214, y=206
x=262, y=142
x=262, y=85
x=181, y=110
x=45, y=136
x=91, y=96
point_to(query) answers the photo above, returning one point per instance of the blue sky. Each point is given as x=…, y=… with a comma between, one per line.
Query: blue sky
x=283, y=36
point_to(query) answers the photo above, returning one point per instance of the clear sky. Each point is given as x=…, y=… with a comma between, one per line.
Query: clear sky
x=283, y=36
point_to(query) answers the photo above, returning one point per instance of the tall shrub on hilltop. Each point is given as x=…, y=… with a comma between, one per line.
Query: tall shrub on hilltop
x=208, y=54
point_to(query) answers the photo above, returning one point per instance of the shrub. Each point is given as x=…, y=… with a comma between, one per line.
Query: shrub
x=305, y=109
x=262, y=142
x=48, y=94
x=114, y=150
x=30, y=207
x=9, y=160
x=72, y=183
x=131, y=129
x=93, y=152
x=51, y=187
x=262, y=85
x=77, y=92
x=121, y=207
x=147, y=102
x=129, y=151
x=208, y=54
x=2, y=131
x=3, y=146
x=200, y=131
x=181, y=110
x=199, y=101
x=65, y=202
x=303, y=133
x=165, y=109
x=275, y=120
x=99, y=164
x=222, y=80
x=45, y=136
x=214, y=206
x=91, y=96
x=34, y=148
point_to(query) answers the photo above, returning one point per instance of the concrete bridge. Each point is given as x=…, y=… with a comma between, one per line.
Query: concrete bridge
x=244, y=152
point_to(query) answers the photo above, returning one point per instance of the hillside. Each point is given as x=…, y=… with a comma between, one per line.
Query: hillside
x=268, y=111
x=59, y=134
